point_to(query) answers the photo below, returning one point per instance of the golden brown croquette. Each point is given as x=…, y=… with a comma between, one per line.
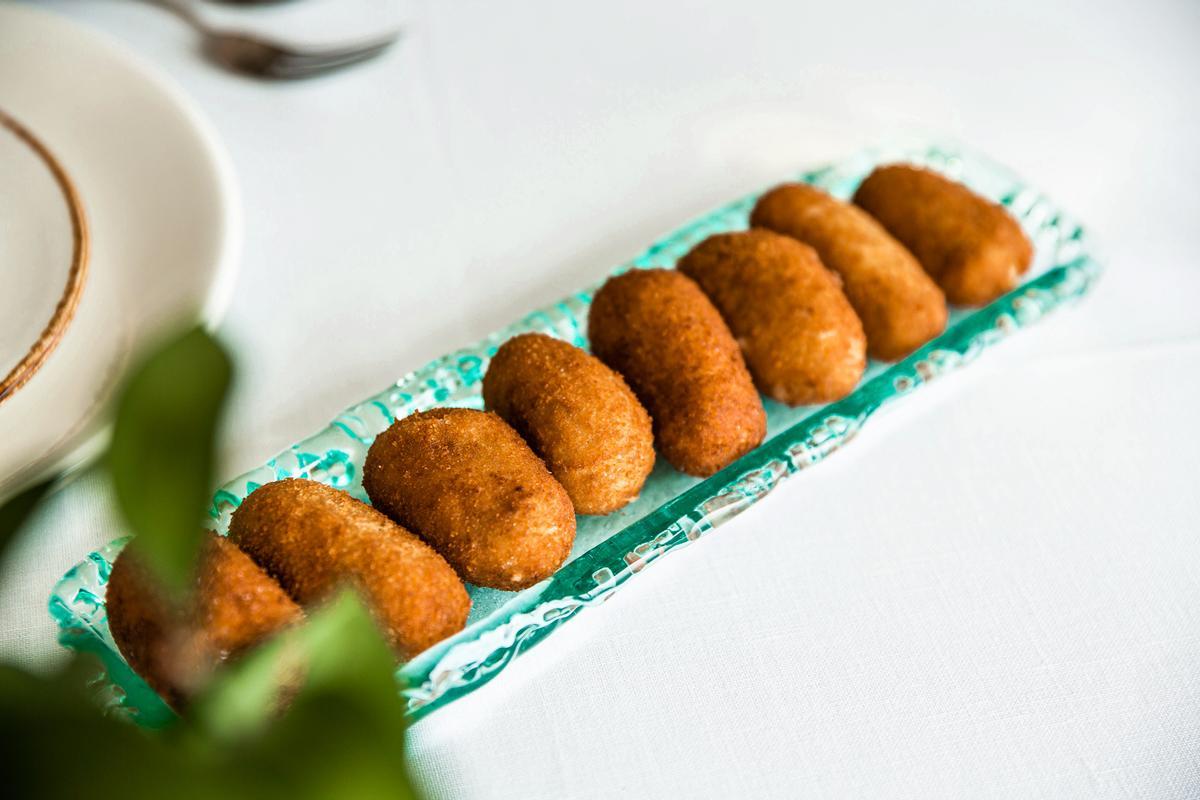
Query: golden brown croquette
x=470, y=486
x=971, y=246
x=801, y=338
x=900, y=306
x=658, y=330
x=577, y=414
x=315, y=539
x=175, y=645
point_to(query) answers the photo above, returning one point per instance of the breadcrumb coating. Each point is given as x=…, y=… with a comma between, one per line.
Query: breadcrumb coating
x=971, y=246
x=175, y=645
x=315, y=540
x=900, y=306
x=659, y=331
x=470, y=486
x=802, y=340
x=577, y=414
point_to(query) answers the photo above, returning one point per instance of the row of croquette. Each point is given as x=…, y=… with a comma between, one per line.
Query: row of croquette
x=790, y=308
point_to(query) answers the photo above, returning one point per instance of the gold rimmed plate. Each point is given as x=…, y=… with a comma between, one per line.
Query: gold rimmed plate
x=43, y=254
x=90, y=127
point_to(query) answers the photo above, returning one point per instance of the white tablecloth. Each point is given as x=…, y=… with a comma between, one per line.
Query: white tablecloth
x=995, y=592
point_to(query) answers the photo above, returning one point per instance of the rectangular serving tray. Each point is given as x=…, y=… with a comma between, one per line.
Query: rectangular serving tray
x=674, y=509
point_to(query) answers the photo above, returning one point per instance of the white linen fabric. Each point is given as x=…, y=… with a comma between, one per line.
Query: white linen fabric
x=995, y=592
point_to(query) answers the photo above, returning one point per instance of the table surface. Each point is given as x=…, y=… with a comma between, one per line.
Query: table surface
x=994, y=593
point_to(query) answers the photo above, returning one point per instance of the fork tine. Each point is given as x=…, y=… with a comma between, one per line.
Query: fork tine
x=287, y=70
x=309, y=66
x=372, y=45
x=328, y=58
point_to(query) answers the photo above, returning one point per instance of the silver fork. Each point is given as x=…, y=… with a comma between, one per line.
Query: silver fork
x=259, y=57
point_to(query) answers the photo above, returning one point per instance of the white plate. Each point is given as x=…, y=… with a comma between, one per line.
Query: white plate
x=159, y=196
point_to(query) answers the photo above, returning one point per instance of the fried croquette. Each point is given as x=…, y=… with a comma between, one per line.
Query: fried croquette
x=971, y=246
x=175, y=645
x=900, y=306
x=659, y=331
x=577, y=414
x=315, y=539
x=801, y=338
x=469, y=485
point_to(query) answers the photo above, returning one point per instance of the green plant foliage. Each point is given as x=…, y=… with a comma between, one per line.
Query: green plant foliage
x=162, y=451
x=342, y=735
x=314, y=713
x=108, y=758
x=338, y=648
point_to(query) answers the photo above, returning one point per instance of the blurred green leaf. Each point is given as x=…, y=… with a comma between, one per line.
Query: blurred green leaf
x=245, y=696
x=345, y=652
x=58, y=745
x=315, y=713
x=338, y=649
x=162, y=451
x=342, y=734
x=14, y=512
